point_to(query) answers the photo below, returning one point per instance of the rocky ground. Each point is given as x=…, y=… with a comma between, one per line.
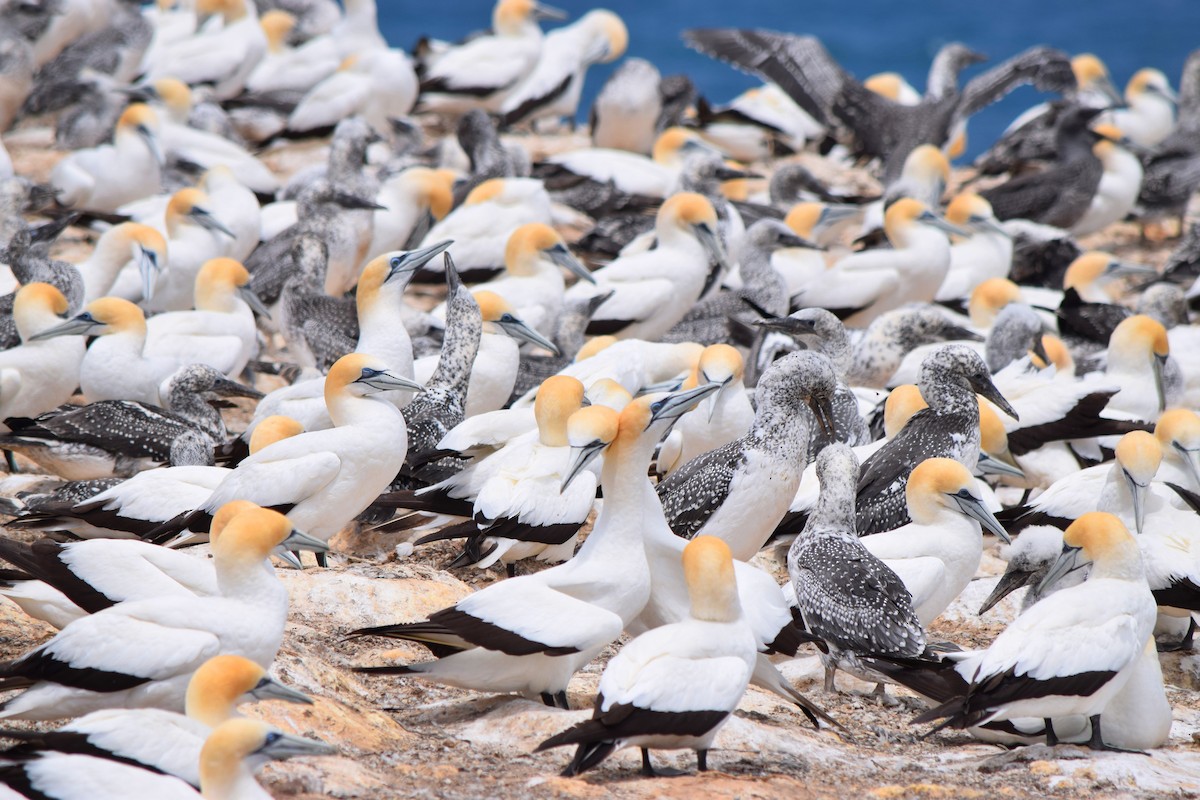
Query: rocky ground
x=400, y=737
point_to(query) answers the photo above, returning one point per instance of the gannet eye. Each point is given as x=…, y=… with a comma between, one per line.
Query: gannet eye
x=368, y=373
x=396, y=261
x=265, y=680
x=507, y=317
x=272, y=738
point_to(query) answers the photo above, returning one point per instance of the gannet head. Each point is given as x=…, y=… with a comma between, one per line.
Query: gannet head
x=534, y=241
x=1092, y=75
x=962, y=364
x=108, y=315
x=1109, y=139
x=394, y=269
x=175, y=95
x=887, y=84
x=1149, y=82
x=927, y=166
x=249, y=537
x=1139, y=455
x=902, y=403
x=809, y=220
x=938, y=483
x=147, y=248
x=223, y=681
x=589, y=431
x=989, y=298
x=557, y=399
x=993, y=444
x=1178, y=431
x=608, y=393
x=226, y=513
x=969, y=210
x=674, y=144
x=610, y=36
x=905, y=213
x=219, y=281
x=498, y=317
x=514, y=17
x=231, y=10
x=712, y=585
x=433, y=189
x=274, y=428
x=1139, y=341
x=192, y=206
x=1096, y=538
x=358, y=375
x=277, y=25
x=236, y=740
x=690, y=213
x=812, y=326
x=594, y=345
x=38, y=307
x=1058, y=354
x=140, y=120
x=722, y=365
x=488, y=191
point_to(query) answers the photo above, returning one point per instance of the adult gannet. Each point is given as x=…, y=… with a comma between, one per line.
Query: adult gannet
x=864, y=285
x=1178, y=431
x=163, y=640
x=986, y=254
x=1139, y=361
x=531, y=633
x=1026, y=672
x=223, y=56
x=937, y=554
x=647, y=699
x=635, y=364
x=484, y=71
x=221, y=331
x=414, y=199
x=378, y=84
x=105, y=177
x=625, y=114
x=811, y=221
x=753, y=478
x=118, y=246
x=724, y=416
x=300, y=68
x=552, y=88
x=654, y=177
x=39, y=374
x=1120, y=182
x=194, y=236
x=760, y=122
x=1171, y=167
x=847, y=596
x=1149, y=113
x=655, y=289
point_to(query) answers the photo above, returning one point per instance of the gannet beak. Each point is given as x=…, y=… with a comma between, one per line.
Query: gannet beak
x=385, y=381
x=413, y=260
x=674, y=406
x=284, y=745
x=792, y=240
x=984, y=224
x=270, y=689
x=930, y=218
x=206, y=220
x=1105, y=85
x=989, y=391
x=287, y=557
x=725, y=173
x=989, y=465
x=833, y=214
x=1009, y=582
x=356, y=203
x=561, y=256
x=151, y=143
x=1068, y=562
x=1190, y=463
x=710, y=402
x=788, y=325
x=254, y=301
x=419, y=231
x=522, y=332
x=973, y=507
x=1039, y=349
x=579, y=458
x=299, y=540
x=1138, y=492
x=541, y=11
x=224, y=387
x=80, y=325
x=1165, y=91
x=148, y=268
x=712, y=243
x=1123, y=269
x=1160, y=386
x=822, y=409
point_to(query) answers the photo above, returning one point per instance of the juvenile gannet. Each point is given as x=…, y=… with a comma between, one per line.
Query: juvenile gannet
x=163, y=640
x=626, y=112
x=41, y=374
x=724, y=416
x=16, y=61
x=753, y=478
x=1149, y=113
x=531, y=633
x=1026, y=672
x=655, y=289
x=484, y=71
x=103, y=178
x=986, y=254
x=552, y=88
x=378, y=84
x=647, y=699
x=937, y=554
x=847, y=596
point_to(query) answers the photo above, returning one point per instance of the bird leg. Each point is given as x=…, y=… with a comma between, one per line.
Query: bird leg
x=560, y=700
x=702, y=761
x=880, y=694
x=549, y=699
x=830, y=669
x=321, y=560
x=11, y=461
x=1185, y=644
x=662, y=772
x=1051, y=736
x=1097, y=740
x=511, y=569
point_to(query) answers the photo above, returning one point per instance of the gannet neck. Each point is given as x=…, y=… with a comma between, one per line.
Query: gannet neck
x=224, y=772
x=837, y=471
x=712, y=586
x=557, y=399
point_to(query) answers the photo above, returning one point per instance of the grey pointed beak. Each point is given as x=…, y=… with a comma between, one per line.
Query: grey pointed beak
x=206, y=220
x=1068, y=562
x=152, y=144
x=299, y=540
x=832, y=214
x=82, y=325
x=988, y=390
x=517, y=329
x=385, y=381
x=990, y=465
x=726, y=173
x=148, y=268
x=223, y=387
x=1009, y=582
x=974, y=508
x=541, y=11
x=1160, y=385
x=1124, y=269
x=420, y=231
x=1039, y=349
x=941, y=224
x=270, y=689
x=788, y=325
x=988, y=224
x=1105, y=85
x=822, y=409
x=578, y=460
x=1138, y=492
x=710, y=402
x=1190, y=463
x=413, y=260
x=674, y=406
x=284, y=746
x=287, y=557
x=254, y=301
x=353, y=202
x=793, y=240
x=712, y=244
x=561, y=256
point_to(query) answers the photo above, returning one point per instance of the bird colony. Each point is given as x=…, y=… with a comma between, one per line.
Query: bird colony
x=360, y=408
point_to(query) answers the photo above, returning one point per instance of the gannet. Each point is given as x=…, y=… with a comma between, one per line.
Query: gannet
x=300, y=68
x=626, y=112
x=1109, y=618
x=655, y=289
x=194, y=236
x=760, y=122
x=227, y=760
x=1178, y=432
x=118, y=246
x=484, y=71
x=1149, y=113
x=378, y=84
x=414, y=200
x=810, y=221
x=924, y=178
x=937, y=554
x=647, y=699
x=552, y=88
x=163, y=740
x=633, y=174
x=724, y=416
x=165, y=639
x=324, y=478
x=16, y=76
x=1172, y=168
x=1120, y=182
x=864, y=285
x=845, y=595
x=105, y=177
x=224, y=56
x=753, y=478
x=1139, y=361
x=986, y=254
x=531, y=633
x=569, y=337
x=949, y=428
x=221, y=331
x=41, y=374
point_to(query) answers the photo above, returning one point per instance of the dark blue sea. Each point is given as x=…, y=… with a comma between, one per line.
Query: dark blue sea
x=866, y=36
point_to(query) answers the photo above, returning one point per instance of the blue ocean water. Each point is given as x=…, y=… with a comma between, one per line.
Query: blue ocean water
x=866, y=36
